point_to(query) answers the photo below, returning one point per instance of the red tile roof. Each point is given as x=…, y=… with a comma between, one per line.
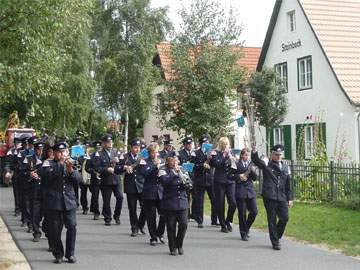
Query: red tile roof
x=337, y=26
x=249, y=57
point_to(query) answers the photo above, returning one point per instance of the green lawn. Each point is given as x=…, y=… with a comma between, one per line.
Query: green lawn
x=337, y=228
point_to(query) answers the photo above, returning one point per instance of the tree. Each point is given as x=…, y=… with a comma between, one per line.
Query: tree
x=45, y=63
x=127, y=33
x=268, y=92
x=199, y=96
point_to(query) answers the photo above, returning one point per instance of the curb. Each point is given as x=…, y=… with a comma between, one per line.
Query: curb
x=11, y=258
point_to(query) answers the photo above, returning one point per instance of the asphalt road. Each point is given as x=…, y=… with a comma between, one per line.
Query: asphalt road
x=100, y=247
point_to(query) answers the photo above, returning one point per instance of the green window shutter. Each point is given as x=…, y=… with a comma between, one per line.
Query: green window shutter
x=300, y=141
x=287, y=141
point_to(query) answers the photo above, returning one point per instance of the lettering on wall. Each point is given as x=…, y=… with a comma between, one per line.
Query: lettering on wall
x=291, y=45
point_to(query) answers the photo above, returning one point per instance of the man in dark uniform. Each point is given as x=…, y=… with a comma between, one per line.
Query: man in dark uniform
x=94, y=180
x=35, y=191
x=133, y=187
x=187, y=154
x=169, y=150
x=203, y=182
x=11, y=164
x=60, y=202
x=276, y=192
x=24, y=180
x=107, y=163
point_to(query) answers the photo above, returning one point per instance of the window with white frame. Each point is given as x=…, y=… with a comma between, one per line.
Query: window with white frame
x=309, y=141
x=278, y=136
x=305, y=73
x=282, y=72
x=291, y=20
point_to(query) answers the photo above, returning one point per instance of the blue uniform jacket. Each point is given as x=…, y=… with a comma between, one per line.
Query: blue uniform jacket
x=152, y=190
x=102, y=162
x=174, y=195
x=60, y=193
x=222, y=168
x=276, y=181
x=201, y=176
x=243, y=189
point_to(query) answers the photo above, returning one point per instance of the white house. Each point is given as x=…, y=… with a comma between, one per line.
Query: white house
x=315, y=47
x=152, y=128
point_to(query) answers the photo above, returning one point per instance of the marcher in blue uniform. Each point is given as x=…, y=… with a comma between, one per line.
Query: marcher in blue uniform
x=153, y=194
x=276, y=192
x=169, y=150
x=35, y=191
x=76, y=142
x=109, y=166
x=10, y=169
x=133, y=187
x=94, y=180
x=245, y=193
x=175, y=203
x=24, y=180
x=222, y=160
x=186, y=155
x=60, y=201
x=203, y=180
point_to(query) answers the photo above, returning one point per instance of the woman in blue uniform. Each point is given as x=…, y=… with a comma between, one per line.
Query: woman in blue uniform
x=175, y=203
x=152, y=194
x=245, y=193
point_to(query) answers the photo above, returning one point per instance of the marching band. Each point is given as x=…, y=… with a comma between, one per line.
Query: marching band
x=164, y=189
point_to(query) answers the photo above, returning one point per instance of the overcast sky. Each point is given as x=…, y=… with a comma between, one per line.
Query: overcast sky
x=254, y=15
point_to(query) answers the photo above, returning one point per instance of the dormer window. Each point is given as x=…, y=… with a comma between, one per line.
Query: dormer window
x=291, y=20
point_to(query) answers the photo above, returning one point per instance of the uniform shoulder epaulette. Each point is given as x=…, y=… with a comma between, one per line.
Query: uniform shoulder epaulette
x=97, y=154
x=142, y=162
x=193, y=153
x=162, y=172
x=46, y=163
x=122, y=156
x=213, y=153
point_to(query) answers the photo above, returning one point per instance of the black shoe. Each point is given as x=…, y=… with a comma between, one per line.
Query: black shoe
x=276, y=247
x=134, y=233
x=181, y=251
x=36, y=238
x=107, y=223
x=117, y=221
x=142, y=231
x=22, y=224
x=49, y=249
x=96, y=216
x=224, y=230
x=162, y=240
x=85, y=212
x=173, y=253
x=58, y=260
x=200, y=225
x=215, y=224
x=153, y=242
x=71, y=259
x=228, y=227
x=244, y=237
x=29, y=230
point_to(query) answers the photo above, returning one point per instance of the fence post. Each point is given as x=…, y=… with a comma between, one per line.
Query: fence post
x=292, y=177
x=332, y=180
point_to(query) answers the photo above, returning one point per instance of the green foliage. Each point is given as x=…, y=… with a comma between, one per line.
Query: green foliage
x=127, y=33
x=270, y=99
x=198, y=98
x=317, y=223
x=45, y=64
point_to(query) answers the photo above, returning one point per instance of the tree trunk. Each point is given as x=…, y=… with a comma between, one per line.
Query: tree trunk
x=126, y=131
